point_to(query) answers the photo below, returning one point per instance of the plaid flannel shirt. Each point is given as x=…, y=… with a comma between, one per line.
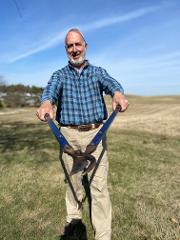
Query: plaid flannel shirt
x=79, y=96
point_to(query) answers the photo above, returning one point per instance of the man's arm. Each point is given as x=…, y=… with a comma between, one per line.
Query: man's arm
x=46, y=107
x=119, y=99
x=49, y=97
x=114, y=88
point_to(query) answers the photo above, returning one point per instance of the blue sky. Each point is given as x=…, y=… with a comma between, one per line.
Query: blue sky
x=136, y=41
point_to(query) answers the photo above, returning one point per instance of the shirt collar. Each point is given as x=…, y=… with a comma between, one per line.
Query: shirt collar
x=86, y=64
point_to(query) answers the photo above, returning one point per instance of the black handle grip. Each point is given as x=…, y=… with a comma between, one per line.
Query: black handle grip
x=46, y=116
x=118, y=108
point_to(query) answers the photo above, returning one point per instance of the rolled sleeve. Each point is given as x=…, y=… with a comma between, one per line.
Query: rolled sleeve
x=52, y=89
x=109, y=84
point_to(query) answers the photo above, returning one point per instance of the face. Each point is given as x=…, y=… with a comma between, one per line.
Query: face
x=75, y=48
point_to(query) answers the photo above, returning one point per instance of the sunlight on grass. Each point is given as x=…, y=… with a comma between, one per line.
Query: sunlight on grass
x=143, y=180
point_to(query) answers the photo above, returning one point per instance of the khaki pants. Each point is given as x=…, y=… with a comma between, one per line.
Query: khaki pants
x=101, y=204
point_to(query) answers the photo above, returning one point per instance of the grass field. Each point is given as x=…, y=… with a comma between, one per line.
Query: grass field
x=144, y=178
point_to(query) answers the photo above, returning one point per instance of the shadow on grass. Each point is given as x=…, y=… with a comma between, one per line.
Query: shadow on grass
x=19, y=135
x=27, y=143
x=78, y=233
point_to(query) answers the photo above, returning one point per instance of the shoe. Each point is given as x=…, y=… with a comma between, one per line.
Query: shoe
x=70, y=227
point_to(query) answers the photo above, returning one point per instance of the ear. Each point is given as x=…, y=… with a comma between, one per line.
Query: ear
x=86, y=45
x=66, y=49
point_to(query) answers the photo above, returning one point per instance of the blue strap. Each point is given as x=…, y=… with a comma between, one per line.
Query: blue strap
x=94, y=142
x=99, y=136
x=59, y=136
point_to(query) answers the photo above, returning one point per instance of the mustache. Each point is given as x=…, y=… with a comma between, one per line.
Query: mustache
x=74, y=54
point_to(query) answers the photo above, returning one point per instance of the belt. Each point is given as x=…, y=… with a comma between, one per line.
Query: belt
x=83, y=128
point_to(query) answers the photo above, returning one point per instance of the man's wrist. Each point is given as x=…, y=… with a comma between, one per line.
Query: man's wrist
x=47, y=103
x=118, y=93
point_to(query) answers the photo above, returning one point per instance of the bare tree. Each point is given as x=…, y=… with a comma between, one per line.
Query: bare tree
x=2, y=80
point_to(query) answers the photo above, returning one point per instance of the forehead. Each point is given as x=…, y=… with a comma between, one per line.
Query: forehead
x=74, y=37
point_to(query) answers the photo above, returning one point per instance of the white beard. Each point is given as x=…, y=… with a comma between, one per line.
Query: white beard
x=79, y=61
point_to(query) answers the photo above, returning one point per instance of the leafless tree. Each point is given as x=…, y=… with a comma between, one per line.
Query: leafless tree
x=2, y=80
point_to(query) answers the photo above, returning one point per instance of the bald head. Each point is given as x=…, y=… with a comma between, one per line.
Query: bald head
x=74, y=30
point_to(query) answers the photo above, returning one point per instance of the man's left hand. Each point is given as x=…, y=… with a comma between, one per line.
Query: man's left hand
x=119, y=99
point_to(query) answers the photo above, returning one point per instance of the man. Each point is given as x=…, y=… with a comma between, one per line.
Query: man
x=77, y=90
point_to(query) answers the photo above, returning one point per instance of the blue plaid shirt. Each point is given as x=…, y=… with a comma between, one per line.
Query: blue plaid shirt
x=79, y=97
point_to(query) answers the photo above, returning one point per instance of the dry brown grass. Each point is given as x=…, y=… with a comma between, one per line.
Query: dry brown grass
x=143, y=180
x=160, y=115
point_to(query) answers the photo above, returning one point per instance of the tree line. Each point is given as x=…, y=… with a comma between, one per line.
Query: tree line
x=19, y=95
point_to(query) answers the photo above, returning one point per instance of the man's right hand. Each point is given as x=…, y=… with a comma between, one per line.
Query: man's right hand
x=46, y=107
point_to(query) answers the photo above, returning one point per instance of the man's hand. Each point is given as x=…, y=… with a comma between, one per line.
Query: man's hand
x=119, y=99
x=46, y=107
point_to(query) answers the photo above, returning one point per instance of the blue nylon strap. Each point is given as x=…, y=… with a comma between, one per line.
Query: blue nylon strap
x=94, y=142
x=98, y=137
x=59, y=136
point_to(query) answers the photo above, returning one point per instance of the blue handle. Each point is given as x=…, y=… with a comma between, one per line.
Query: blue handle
x=59, y=136
x=98, y=137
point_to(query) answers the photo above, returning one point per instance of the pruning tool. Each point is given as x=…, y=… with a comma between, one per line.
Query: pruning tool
x=82, y=161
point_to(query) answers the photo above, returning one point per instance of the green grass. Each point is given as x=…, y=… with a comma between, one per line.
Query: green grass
x=143, y=181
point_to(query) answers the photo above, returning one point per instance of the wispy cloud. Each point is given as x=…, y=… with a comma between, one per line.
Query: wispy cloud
x=160, y=61
x=102, y=23
x=119, y=19
x=52, y=42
